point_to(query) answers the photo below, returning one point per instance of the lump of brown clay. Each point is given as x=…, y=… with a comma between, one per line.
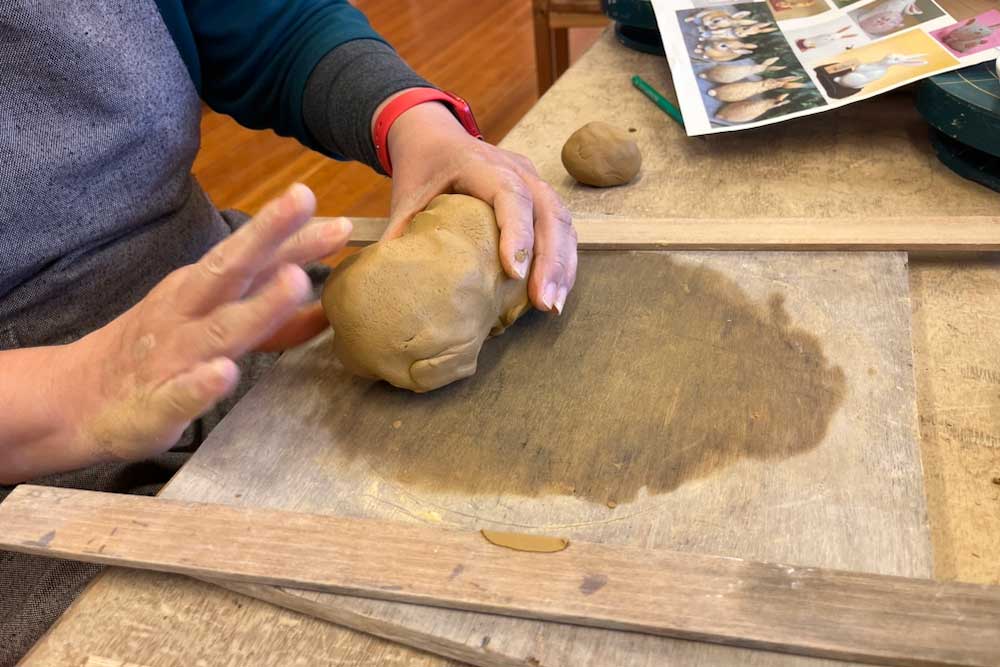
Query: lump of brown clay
x=415, y=310
x=601, y=155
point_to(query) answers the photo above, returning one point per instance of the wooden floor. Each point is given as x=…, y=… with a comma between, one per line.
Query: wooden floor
x=482, y=50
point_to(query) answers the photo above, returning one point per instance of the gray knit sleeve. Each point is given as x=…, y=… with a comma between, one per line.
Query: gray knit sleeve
x=344, y=90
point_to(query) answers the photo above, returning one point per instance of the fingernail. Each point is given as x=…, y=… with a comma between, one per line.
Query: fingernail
x=521, y=263
x=561, y=300
x=296, y=279
x=549, y=295
x=300, y=195
x=343, y=226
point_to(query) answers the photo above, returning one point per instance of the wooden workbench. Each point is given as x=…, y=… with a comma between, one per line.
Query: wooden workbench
x=867, y=159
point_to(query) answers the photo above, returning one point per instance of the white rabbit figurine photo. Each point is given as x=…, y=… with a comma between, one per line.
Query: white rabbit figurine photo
x=868, y=73
x=969, y=35
x=888, y=16
x=825, y=39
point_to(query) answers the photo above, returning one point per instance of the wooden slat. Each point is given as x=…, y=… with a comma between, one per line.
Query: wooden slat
x=811, y=611
x=931, y=234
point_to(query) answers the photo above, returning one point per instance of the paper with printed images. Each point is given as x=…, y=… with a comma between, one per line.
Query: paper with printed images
x=738, y=65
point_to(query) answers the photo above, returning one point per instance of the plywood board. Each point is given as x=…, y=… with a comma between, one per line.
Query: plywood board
x=715, y=403
x=128, y=618
x=805, y=611
x=956, y=311
x=874, y=159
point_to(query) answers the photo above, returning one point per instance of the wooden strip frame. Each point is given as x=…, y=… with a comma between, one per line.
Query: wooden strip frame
x=938, y=234
x=809, y=611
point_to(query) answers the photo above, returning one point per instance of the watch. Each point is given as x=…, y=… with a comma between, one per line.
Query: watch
x=408, y=100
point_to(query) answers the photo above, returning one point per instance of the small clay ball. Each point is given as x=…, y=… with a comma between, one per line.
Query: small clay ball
x=601, y=155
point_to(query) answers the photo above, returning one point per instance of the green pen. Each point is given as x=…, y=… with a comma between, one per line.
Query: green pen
x=658, y=100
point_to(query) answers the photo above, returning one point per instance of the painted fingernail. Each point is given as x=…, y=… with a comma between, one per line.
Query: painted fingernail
x=561, y=300
x=549, y=295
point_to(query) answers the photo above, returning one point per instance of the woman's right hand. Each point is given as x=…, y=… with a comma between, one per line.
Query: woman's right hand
x=130, y=388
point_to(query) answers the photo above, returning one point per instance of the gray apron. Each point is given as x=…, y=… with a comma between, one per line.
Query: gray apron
x=99, y=126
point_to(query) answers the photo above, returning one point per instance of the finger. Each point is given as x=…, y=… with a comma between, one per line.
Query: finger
x=553, y=272
x=511, y=199
x=407, y=201
x=313, y=242
x=514, y=207
x=524, y=164
x=226, y=272
x=233, y=329
x=191, y=394
x=307, y=323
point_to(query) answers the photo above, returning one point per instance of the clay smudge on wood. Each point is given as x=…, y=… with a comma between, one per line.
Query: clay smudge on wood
x=659, y=371
x=42, y=541
x=593, y=583
x=523, y=542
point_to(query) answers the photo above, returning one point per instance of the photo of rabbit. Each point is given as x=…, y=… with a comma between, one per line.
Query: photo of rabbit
x=738, y=32
x=745, y=68
x=723, y=50
x=738, y=92
x=883, y=64
x=971, y=36
x=718, y=19
x=887, y=17
x=796, y=9
x=827, y=41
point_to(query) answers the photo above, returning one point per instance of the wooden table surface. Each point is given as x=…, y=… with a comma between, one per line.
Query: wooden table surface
x=867, y=159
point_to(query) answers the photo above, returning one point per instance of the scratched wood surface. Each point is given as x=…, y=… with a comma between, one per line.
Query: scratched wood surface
x=868, y=157
x=725, y=383
x=870, y=618
x=956, y=308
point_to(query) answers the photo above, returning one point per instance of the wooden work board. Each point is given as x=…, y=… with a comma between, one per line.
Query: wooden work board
x=718, y=403
x=869, y=157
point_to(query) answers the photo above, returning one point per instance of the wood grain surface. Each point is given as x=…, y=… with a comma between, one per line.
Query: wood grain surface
x=808, y=611
x=924, y=234
x=956, y=308
x=868, y=159
x=132, y=618
x=861, y=508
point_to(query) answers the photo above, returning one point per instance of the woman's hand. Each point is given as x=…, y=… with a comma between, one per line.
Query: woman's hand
x=431, y=154
x=129, y=389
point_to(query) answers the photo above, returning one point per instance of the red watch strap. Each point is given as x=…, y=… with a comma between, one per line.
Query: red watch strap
x=405, y=102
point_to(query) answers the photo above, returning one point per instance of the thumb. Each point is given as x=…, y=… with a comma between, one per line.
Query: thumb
x=407, y=201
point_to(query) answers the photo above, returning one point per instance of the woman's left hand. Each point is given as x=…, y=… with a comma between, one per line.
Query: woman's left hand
x=431, y=154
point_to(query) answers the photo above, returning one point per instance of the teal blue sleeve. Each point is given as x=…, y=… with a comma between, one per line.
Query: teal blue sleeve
x=251, y=59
